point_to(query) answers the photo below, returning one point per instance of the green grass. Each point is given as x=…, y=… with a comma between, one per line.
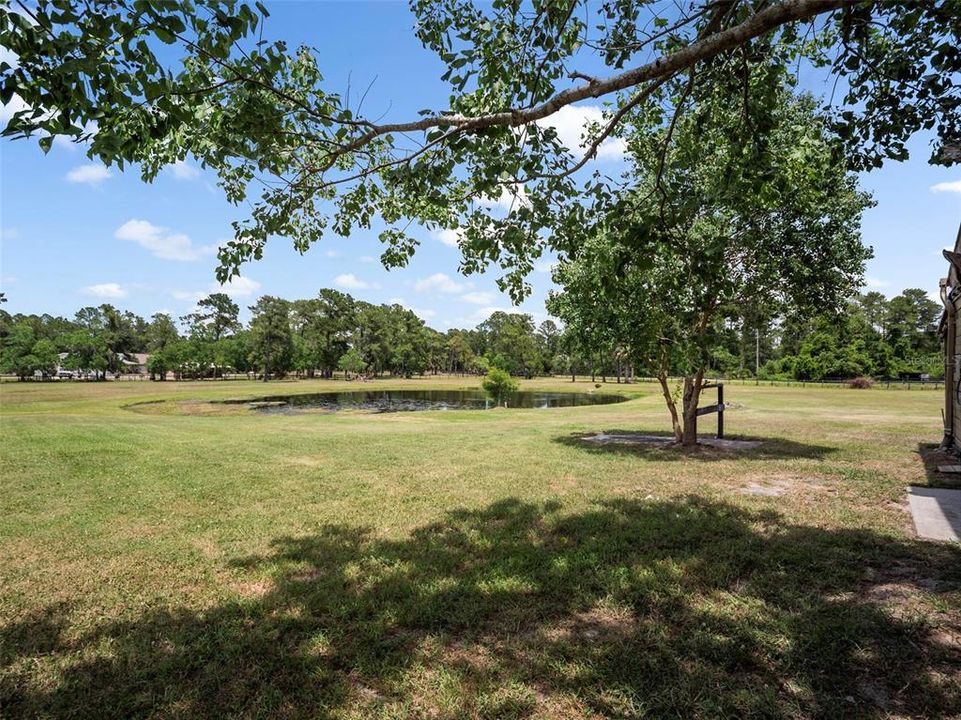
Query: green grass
x=168, y=563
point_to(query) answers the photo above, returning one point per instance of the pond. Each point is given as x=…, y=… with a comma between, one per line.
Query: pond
x=412, y=400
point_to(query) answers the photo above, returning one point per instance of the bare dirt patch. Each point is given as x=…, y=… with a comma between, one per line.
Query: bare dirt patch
x=187, y=407
x=777, y=484
x=253, y=588
x=475, y=656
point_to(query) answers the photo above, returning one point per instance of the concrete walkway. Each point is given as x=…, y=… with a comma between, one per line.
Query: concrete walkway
x=936, y=513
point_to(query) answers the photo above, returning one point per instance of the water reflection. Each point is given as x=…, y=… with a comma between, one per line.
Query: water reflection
x=414, y=400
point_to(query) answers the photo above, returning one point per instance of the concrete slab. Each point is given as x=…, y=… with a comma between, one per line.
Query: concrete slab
x=639, y=439
x=949, y=468
x=936, y=513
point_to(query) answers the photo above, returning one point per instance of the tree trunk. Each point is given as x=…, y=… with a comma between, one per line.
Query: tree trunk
x=692, y=394
x=671, y=405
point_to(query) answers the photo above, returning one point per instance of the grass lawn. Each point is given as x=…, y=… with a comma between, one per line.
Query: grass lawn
x=168, y=562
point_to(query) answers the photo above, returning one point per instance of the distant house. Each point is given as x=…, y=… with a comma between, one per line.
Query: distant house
x=135, y=363
x=951, y=343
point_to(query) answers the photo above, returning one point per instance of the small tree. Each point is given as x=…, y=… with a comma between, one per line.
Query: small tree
x=719, y=216
x=352, y=362
x=158, y=364
x=499, y=385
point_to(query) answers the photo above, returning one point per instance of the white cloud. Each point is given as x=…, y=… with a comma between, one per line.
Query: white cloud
x=511, y=198
x=334, y=254
x=424, y=313
x=9, y=233
x=238, y=286
x=89, y=174
x=349, y=281
x=479, y=298
x=160, y=242
x=7, y=280
x=105, y=291
x=482, y=313
x=875, y=283
x=953, y=186
x=451, y=238
x=182, y=170
x=545, y=266
x=438, y=282
x=9, y=57
x=571, y=122
x=189, y=295
x=15, y=105
x=366, y=259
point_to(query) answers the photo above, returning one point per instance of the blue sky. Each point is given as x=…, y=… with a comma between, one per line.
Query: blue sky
x=73, y=233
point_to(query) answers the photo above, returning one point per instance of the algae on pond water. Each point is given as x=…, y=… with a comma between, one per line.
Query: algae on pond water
x=415, y=400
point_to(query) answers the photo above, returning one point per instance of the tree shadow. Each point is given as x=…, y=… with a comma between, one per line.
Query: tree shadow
x=774, y=448
x=932, y=456
x=685, y=608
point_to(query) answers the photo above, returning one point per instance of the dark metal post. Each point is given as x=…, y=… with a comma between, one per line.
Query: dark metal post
x=720, y=410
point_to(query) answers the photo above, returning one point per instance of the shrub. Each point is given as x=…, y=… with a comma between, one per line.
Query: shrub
x=498, y=385
x=861, y=383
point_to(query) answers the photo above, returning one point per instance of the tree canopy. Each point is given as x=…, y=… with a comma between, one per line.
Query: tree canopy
x=152, y=81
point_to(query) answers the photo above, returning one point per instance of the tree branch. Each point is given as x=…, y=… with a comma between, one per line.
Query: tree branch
x=758, y=24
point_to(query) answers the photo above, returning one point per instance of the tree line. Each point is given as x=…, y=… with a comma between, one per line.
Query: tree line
x=873, y=336
x=312, y=337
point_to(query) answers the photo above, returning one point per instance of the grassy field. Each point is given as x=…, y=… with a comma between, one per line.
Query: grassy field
x=166, y=562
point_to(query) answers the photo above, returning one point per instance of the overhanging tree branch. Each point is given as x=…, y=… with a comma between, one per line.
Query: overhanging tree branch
x=768, y=19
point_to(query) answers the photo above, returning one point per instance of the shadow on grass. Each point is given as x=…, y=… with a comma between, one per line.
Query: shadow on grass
x=685, y=608
x=932, y=456
x=768, y=449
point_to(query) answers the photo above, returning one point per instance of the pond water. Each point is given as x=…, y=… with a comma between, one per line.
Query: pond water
x=411, y=400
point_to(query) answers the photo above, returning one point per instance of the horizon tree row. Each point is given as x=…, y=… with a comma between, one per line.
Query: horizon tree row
x=872, y=336
x=312, y=337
